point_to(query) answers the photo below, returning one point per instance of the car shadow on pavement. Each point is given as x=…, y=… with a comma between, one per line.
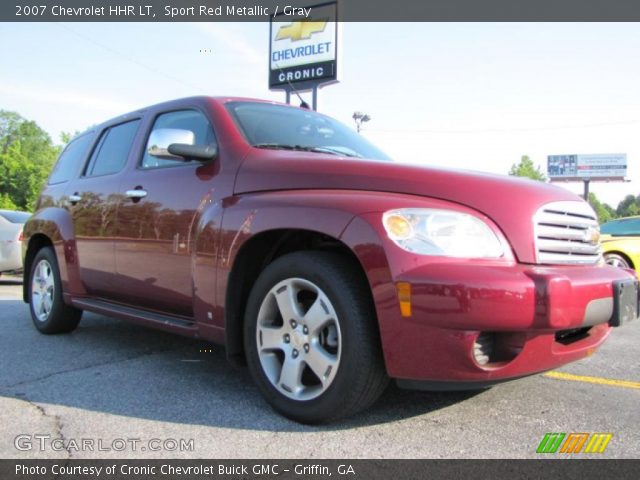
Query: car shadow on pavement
x=112, y=367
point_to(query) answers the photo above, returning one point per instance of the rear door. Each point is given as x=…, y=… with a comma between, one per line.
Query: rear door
x=94, y=199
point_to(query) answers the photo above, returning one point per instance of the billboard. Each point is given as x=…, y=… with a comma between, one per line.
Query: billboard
x=303, y=49
x=596, y=166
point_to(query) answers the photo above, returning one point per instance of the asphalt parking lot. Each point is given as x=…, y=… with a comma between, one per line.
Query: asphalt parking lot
x=110, y=382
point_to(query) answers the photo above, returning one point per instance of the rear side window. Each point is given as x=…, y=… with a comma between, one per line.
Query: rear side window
x=70, y=159
x=112, y=150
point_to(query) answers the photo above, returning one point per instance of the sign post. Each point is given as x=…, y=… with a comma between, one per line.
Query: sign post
x=599, y=167
x=303, y=50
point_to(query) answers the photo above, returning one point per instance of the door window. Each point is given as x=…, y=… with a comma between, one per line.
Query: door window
x=113, y=149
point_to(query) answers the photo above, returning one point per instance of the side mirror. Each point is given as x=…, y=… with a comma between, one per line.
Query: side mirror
x=178, y=144
x=196, y=152
x=160, y=139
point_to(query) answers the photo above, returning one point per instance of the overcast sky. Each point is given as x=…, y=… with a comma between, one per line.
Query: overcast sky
x=464, y=95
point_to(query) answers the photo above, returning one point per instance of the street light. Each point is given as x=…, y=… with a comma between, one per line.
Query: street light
x=360, y=118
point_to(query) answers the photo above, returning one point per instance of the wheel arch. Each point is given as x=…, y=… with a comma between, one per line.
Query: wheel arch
x=622, y=254
x=37, y=242
x=53, y=226
x=253, y=257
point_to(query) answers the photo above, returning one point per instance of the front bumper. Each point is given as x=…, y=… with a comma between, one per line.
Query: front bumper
x=536, y=317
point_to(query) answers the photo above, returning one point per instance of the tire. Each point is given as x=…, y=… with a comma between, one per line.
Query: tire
x=616, y=260
x=321, y=359
x=49, y=313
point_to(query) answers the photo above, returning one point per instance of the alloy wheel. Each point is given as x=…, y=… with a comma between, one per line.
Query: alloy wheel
x=616, y=261
x=298, y=338
x=42, y=290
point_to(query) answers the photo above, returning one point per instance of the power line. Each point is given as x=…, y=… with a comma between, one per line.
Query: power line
x=130, y=59
x=502, y=130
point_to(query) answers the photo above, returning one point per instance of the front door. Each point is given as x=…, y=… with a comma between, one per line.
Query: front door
x=157, y=220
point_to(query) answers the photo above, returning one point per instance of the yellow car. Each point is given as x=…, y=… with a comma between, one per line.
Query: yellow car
x=621, y=242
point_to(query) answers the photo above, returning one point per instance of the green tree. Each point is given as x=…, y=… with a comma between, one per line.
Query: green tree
x=526, y=168
x=629, y=206
x=66, y=137
x=6, y=203
x=632, y=211
x=27, y=155
x=605, y=211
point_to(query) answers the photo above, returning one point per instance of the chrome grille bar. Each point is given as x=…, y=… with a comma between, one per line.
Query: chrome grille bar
x=567, y=233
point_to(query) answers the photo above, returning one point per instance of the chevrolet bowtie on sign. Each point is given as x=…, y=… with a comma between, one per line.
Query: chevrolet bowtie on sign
x=300, y=30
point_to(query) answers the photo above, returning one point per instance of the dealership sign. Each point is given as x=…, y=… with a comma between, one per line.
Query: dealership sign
x=599, y=166
x=304, y=50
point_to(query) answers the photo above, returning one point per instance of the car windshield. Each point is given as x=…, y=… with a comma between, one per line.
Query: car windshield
x=623, y=227
x=266, y=125
x=15, y=217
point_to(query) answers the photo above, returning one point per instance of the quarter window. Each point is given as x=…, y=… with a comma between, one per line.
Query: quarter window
x=113, y=149
x=70, y=159
x=191, y=120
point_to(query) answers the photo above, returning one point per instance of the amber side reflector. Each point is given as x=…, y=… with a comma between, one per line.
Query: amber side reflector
x=404, y=297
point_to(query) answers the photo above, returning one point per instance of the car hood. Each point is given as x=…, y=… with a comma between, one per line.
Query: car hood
x=510, y=202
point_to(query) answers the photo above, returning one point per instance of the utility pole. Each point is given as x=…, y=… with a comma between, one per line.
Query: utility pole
x=586, y=189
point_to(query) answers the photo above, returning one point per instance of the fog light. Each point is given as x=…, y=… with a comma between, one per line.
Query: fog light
x=484, y=348
x=494, y=349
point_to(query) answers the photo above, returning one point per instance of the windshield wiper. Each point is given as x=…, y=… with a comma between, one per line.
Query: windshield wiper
x=278, y=146
x=301, y=148
x=334, y=151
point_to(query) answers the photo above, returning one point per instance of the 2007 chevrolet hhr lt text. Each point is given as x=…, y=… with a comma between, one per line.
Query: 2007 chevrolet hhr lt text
x=327, y=268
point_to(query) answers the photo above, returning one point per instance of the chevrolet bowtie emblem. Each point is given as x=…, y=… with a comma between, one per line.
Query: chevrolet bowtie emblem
x=300, y=30
x=592, y=235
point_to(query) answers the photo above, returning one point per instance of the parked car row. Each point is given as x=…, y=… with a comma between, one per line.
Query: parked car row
x=621, y=242
x=11, y=225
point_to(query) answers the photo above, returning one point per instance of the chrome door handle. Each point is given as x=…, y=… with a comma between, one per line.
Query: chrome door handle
x=136, y=194
x=75, y=198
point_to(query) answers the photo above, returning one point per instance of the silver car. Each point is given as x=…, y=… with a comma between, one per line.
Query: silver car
x=11, y=224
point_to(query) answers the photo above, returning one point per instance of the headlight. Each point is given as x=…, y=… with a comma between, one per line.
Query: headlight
x=428, y=231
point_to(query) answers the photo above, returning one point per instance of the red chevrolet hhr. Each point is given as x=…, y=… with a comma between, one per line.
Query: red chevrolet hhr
x=327, y=268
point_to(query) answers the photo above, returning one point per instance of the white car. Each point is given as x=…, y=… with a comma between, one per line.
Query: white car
x=11, y=224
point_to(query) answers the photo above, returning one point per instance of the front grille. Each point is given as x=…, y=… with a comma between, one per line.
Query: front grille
x=567, y=233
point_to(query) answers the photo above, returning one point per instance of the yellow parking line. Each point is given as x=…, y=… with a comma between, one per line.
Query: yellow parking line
x=597, y=380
